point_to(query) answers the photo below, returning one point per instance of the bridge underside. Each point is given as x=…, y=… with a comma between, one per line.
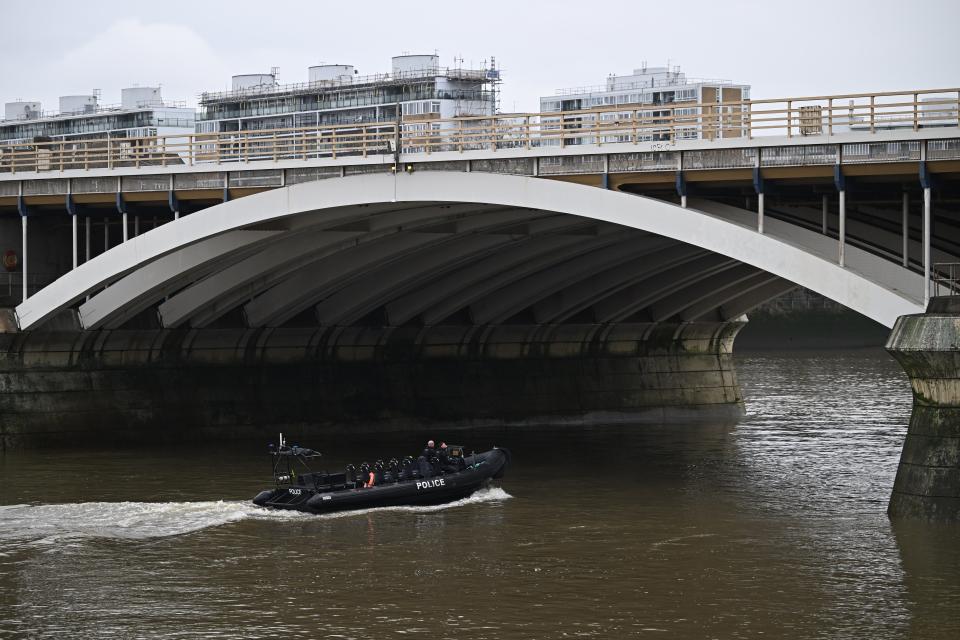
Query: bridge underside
x=313, y=306
x=424, y=264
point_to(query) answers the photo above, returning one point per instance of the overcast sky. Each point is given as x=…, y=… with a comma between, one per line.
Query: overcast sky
x=800, y=47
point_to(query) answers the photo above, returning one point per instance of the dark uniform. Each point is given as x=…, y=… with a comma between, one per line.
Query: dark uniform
x=425, y=462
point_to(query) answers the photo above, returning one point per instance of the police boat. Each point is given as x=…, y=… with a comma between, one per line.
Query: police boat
x=398, y=482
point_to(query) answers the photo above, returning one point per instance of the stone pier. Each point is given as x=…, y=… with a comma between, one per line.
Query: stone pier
x=156, y=385
x=927, y=346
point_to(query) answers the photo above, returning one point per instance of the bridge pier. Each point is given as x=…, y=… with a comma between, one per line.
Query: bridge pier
x=928, y=478
x=157, y=385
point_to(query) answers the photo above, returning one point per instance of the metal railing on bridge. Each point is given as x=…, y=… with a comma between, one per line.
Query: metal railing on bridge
x=812, y=116
x=945, y=279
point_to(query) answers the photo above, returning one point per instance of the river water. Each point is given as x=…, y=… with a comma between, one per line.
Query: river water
x=772, y=527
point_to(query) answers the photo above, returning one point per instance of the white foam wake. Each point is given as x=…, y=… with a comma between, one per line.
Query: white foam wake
x=54, y=523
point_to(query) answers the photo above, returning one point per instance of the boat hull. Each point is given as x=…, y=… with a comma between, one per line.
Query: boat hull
x=439, y=489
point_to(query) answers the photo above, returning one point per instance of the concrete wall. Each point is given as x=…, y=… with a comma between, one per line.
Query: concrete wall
x=63, y=387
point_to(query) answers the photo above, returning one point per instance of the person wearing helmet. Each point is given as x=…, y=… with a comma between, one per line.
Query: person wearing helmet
x=447, y=464
x=430, y=451
x=425, y=461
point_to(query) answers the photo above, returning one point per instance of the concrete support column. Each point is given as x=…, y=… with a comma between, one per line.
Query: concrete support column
x=681, y=184
x=906, y=229
x=843, y=226
x=927, y=484
x=73, y=225
x=124, y=216
x=926, y=244
x=23, y=231
x=106, y=234
x=823, y=215
x=759, y=185
x=136, y=226
x=760, y=212
x=86, y=228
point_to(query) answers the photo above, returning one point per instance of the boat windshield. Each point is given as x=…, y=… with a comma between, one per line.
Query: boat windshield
x=291, y=461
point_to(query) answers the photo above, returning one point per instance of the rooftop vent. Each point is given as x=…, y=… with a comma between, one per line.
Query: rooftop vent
x=408, y=63
x=138, y=97
x=253, y=81
x=332, y=73
x=21, y=110
x=78, y=104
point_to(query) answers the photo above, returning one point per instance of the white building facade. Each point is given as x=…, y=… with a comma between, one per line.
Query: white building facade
x=689, y=108
x=142, y=112
x=416, y=91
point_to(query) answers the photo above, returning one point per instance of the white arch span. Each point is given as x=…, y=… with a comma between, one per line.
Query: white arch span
x=875, y=287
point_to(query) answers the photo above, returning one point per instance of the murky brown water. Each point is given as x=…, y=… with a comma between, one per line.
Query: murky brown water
x=773, y=527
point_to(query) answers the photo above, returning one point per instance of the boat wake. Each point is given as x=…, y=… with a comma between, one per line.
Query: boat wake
x=58, y=523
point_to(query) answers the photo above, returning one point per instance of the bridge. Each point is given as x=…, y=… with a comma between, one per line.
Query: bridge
x=881, y=153
x=590, y=265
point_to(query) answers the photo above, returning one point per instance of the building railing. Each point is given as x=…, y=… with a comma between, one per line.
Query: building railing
x=666, y=124
x=674, y=79
x=353, y=81
x=945, y=279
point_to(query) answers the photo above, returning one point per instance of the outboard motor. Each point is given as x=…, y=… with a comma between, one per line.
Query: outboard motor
x=364, y=474
x=378, y=471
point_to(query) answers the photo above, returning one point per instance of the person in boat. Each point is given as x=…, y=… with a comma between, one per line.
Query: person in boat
x=444, y=455
x=371, y=479
x=430, y=450
x=425, y=461
x=448, y=464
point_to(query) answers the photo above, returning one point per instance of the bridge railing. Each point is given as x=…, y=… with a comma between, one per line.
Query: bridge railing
x=945, y=279
x=627, y=124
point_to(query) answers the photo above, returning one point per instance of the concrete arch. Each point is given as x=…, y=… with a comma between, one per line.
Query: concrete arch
x=582, y=294
x=533, y=251
x=868, y=284
x=112, y=307
x=388, y=282
x=211, y=297
x=320, y=280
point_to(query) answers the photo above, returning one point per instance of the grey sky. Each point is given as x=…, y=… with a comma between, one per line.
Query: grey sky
x=55, y=48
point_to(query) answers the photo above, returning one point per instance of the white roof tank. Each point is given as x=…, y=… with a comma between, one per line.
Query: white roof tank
x=78, y=104
x=136, y=97
x=253, y=81
x=331, y=73
x=21, y=110
x=407, y=64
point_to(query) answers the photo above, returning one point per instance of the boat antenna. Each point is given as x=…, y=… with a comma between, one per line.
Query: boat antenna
x=281, y=439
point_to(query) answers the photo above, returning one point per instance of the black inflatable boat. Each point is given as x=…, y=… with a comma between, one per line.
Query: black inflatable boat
x=406, y=481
